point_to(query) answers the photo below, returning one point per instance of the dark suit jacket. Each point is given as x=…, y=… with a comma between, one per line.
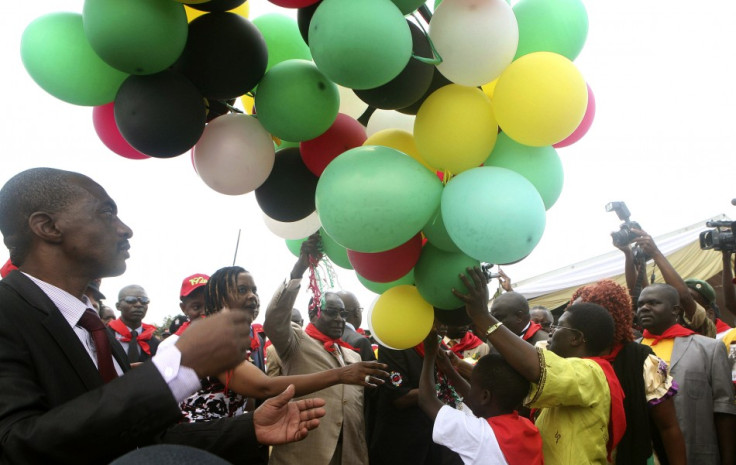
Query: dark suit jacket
x=360, y=342
x=54, y=407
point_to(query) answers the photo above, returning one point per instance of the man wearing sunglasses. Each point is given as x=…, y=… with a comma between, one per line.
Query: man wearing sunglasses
x=135, y=336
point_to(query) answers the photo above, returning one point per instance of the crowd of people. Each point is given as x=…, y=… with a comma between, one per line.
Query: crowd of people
x=633, y=374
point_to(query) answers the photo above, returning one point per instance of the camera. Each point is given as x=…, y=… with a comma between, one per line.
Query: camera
x=624, y=235
x=486, y=269
x=721, y=238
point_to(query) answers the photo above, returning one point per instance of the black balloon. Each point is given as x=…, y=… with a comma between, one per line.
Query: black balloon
x=410, y=85
x=225, y=55
x=217, y=108
x=288, y=193
x=304, y=18
x=455, y=317
x=217, y=5
x=438, y=80
x=161, y=115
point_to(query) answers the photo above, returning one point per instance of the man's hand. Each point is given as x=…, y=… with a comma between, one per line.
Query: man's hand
x=504, y=281
x=444, y=364
x=431, y=343
x=215, y=344
x=278, y=421
x=476, y=300
x=646, y=243
x=312, y=247
x=370, y=374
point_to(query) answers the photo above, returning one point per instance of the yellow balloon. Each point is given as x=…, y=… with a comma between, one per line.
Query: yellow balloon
x=455, y=129
x=540, y=99
x=248, y=103
x=193, y=13
x=401, y=318
x=489, y=88
x=400, y=140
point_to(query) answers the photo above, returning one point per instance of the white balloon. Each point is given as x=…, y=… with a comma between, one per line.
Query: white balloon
x=368, y=318
x=389, y=119
x=295, y=229
x=350, y=104
x=235, y=154
x=476, y=39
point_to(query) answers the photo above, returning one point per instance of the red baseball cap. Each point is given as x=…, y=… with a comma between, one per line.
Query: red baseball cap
x=193, y=282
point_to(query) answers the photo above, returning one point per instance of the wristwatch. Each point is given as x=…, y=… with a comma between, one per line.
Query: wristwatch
x=493, y=329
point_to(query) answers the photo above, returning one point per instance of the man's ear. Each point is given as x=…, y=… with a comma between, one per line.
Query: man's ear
x=576, y=338
x=43, y=225
x=485, y=397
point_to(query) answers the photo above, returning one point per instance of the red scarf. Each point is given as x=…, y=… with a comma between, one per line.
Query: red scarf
x=670, y=333
x=469, y=341
x=531, y=331
x=329, y=343
x=145, y=335
x=360, y=331
x=722, y=326
x=614, y=353
x=255, y=341
x=182, y=328
x=518, y=438
x=617, y=419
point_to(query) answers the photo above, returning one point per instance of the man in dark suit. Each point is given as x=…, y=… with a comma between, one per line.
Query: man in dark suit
x=352, y=324
x=67, y=386
x=132, y=333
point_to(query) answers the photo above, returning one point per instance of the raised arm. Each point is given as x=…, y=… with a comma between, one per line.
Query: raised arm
x=427, y=399
x=521, y=355
x=729, y=290
x=630, y=269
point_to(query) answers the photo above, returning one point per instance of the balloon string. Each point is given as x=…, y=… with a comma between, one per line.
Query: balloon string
x=436, y=58
x=314, y=286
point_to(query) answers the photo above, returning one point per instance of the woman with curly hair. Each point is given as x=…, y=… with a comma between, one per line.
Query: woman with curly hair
x=645, y=381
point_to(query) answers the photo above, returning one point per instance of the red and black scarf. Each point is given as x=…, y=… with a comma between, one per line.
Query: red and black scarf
x=468, y=341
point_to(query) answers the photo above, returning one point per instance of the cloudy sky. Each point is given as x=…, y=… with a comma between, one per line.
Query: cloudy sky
x=662, y=141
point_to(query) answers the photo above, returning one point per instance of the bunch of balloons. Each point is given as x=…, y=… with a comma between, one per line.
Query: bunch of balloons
x=417, y=143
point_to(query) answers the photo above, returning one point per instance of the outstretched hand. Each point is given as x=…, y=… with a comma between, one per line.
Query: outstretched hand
x=646, y=242
x=431, y=344
x=279, y=421
x=504, y=280
x=312, y=247
x=476, y=300
x=369, y=374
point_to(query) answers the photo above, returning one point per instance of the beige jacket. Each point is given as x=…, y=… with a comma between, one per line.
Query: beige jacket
x=300, y=354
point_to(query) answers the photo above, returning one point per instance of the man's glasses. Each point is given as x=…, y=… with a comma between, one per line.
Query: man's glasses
x=553, y=328
x=131, y=300
x=332, y=313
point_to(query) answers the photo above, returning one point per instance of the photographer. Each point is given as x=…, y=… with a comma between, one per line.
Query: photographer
x=694, y=315
x=729, y=290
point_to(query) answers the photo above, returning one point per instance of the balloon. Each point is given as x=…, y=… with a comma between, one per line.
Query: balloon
x=436, y=274
x=559, y=26
x=540, y=165
x=235, y=154
x=344, y=134
x=162, y=115
x=476, y=39
x=492, y=214
x=295, y=245
x=58, y=57
x=359, y=44
x=408, y=6
x=540, y=99
x=389, y=119
x=103, y=118
x=380, y=288
x=438, y=80
x=217, y=108
x=282, y=37
x=294, y=230
x=304, y=18
x=192, y=14
x=367, y=318
x=296, y=102
x=350, y=104
x=136, y=36
x=401, y=318
x=288, y=192
x=337, y=253
x=375, y=198
x=410, y=85
x=585, y=124
x=436, y=233
x=225, y=55
x=293, y=3
x=384, y=267
x=400, y=140
x=455, y=128
x=489, y=88
x=217, y=5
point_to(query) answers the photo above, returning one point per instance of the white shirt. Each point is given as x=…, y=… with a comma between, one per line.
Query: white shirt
x=472, y=438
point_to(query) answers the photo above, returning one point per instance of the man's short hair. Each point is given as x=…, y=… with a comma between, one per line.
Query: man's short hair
x=506, y=384
x=30, y=191
x=670, y=293
x=595, y=323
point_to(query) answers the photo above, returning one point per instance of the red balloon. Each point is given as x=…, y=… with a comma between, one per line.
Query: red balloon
x=103, y=118
x=384, y=267
x=344, y=134
x=293, y=3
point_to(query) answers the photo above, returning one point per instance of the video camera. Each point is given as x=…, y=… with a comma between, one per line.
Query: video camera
x=721, y=238
x=486, y=269
x=624, y=235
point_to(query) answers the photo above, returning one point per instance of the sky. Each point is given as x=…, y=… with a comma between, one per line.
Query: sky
x=662, y=141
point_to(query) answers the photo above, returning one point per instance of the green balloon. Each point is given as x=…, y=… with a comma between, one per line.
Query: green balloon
x=540, y=165
x=375, y=198
x=283, y=39
x=380, y=288
x=436, y=233
x=295, y=246
x=296, y=102
x=493, y=214
x=408, y=6
x=57, y=56
x=337, y=253
x=360, y=44
x=559, y=26
x=437, y=273
x=136, y=36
